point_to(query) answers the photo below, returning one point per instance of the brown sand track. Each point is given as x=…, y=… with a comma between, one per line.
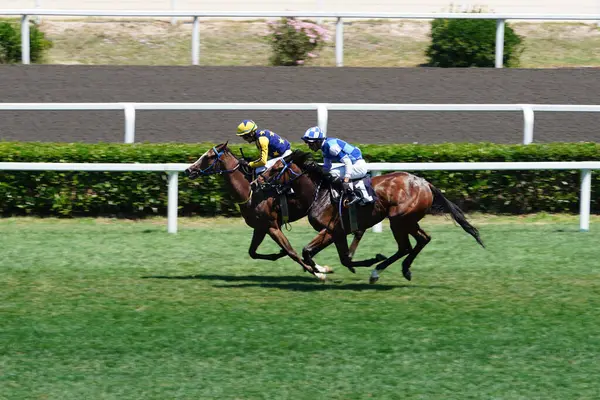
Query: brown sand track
x=57, y=83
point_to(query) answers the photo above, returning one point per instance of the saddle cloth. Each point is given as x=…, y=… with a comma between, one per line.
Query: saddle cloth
x=362, y=188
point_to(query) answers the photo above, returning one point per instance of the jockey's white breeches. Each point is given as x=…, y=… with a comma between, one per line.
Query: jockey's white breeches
x=359, y=170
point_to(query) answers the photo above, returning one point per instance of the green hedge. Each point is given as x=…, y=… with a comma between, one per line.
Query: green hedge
x=470, y=43
x=10, y=42
x=138, y=194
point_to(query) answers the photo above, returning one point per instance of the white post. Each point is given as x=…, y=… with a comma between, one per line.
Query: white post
x=129, y=123
x=500, y=43
x=322, y=115
x=377, y=228
x=172, y=202
x=339, y=43
x=196, y=42
x=320, y=9
x=528, y=121
x=38, y=4
x=584, y=205
x=25, y=56
x=173, y=7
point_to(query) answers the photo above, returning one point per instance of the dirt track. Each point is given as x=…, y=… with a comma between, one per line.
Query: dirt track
x=259, y=84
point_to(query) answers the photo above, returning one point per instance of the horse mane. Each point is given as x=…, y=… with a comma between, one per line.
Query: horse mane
x=305, y=161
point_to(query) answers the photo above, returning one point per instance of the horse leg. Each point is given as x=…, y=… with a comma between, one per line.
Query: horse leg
x=357, y=238
x=404, y=248
x=257, y=237
x=422, y=239
x=278, y=237
x=321, y=241
x=343, y=252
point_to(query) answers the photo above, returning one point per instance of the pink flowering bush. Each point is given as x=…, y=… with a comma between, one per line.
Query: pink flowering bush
x=294, y=41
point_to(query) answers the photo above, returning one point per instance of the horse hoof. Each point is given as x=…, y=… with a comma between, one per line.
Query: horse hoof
x=407, y=274
x=324, y=269
x=373, y=279
x=320, y=276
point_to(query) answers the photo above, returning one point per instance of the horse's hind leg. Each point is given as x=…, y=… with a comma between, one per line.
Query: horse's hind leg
x=257, y=237
x=401, y=235
x=422, y=239
x=277, y=235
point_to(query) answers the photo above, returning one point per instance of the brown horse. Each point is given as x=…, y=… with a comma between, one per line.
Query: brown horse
x=262, y=213
x=403, y=198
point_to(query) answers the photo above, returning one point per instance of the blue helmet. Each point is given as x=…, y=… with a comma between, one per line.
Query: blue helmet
x=313, y=134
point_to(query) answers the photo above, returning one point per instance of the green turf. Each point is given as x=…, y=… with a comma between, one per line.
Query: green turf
x=121, y=310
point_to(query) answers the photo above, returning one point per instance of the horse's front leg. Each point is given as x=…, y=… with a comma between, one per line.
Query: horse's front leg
x=257, y=237
x=321, y=241
x=357, y=238
x=277, y=235
x=344, y=253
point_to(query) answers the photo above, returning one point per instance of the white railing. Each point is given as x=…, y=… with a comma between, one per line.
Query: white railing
x=321, y=108
x=339, y=16
x=173, y=170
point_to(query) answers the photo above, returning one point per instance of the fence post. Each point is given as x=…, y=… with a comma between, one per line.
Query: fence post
x=172, y=202
x=196, y=41
x=129, y=122
x=339, y=43
x=528, y=121
x=173, y=8
x=500, y=43
x=25, y=46
x=585, y=198
x=377, y=228
x=322, y=116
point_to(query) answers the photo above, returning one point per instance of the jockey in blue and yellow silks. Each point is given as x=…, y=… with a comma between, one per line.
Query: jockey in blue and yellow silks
x=271, y=146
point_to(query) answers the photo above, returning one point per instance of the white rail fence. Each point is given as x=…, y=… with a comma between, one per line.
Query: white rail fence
x=322, y=109
x=173, y=170
x=339, y=16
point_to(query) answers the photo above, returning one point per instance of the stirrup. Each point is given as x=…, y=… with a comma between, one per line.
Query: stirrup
x=349, y=203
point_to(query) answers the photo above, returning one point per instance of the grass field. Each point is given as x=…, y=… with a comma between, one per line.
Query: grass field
x=367, y=43
x=106, y=309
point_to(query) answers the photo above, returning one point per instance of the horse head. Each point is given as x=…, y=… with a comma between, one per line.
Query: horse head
x=217, y=160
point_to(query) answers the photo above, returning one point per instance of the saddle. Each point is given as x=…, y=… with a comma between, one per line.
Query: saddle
x=362, y=192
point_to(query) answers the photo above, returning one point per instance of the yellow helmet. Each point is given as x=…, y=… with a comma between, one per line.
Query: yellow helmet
x=245, y=127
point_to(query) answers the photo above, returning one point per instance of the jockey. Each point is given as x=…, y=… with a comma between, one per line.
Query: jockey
x=337, y=150
x=271, y=146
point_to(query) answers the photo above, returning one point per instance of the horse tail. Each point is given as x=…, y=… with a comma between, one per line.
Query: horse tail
x=440, y=201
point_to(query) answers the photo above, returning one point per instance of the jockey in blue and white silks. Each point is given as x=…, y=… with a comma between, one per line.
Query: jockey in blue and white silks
x=271, y=146
x=338, y=151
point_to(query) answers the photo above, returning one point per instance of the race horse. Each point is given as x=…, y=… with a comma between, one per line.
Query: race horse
x=401, y=197
x=261, y=213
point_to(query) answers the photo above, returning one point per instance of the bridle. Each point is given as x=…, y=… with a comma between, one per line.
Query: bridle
x=273, y=182
x=211, y=169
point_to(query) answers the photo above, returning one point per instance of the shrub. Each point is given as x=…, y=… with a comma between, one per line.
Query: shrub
x=470, y=43
x=10, y=43
x=51, y=193
x=294, y=42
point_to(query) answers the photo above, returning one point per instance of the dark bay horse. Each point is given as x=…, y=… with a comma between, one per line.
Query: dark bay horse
x=403, y=198
x=260, y=212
